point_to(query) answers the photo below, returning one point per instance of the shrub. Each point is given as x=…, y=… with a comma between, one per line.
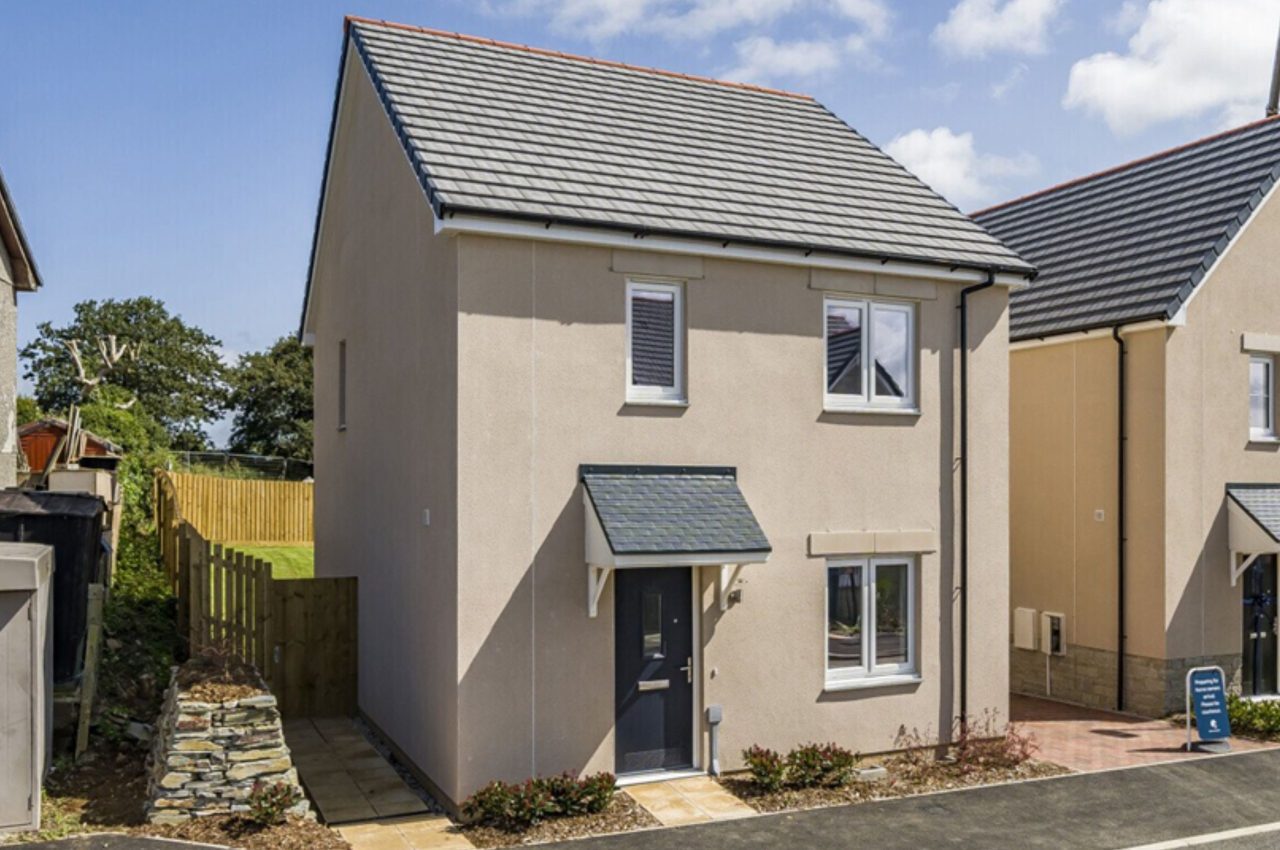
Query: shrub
x=820, y=766
x=268, y=804
x=768, y=769
x=1256, y=717
x=516, y=807
x=981, y=744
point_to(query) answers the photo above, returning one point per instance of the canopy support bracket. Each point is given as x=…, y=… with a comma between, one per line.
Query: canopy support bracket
x=1237, y=570
x=597, y=577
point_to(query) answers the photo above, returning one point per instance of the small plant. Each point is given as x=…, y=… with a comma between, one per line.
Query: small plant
x=269, y=803
x=820, y=766
x=1260, y=718
x=768, y=769
x=516, y=807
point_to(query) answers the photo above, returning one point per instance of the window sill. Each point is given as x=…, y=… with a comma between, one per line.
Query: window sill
x=657, y=402
x=868, y=682
x=866, y=408
x=1264, y=439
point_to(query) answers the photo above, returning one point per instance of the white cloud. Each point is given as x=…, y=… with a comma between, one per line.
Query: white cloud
x=949, y=163
x=1003, y=86
x=1187, y=58
x=762, y=58
x=978, y=27
x=1127, y=18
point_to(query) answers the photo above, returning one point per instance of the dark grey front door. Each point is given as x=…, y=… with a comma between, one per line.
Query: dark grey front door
x=1258, y=665
x=654, y=669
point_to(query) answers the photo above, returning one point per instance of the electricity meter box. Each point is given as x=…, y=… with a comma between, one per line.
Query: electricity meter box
x=1053, y=633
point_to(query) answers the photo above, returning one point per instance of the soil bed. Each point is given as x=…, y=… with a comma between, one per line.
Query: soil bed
x=906, y=778
x=234, y=831
x=623, y=815
x=210, y=678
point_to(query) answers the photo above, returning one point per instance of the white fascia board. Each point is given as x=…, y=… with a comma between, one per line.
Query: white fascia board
x=1084, y=336
x=457, y=223
x=700, y=559
x=1180, y=318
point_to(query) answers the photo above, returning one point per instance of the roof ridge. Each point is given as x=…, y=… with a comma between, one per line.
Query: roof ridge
x=1115, y=169
x=592, y=60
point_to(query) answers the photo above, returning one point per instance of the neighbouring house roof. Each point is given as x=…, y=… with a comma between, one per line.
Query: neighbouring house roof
x=1261, y=502
x=512, y=131
x=1130, y=244
x=672, y=510
x=14, y=240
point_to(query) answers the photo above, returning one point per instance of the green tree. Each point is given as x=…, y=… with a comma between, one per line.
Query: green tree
x=28, y=410
x=272, y=400
x=169, y=367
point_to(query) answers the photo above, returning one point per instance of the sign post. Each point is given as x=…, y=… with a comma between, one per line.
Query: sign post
x=1207, y=694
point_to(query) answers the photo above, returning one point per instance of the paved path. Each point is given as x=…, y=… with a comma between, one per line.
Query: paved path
x=1110, y=809
x=1086, y=739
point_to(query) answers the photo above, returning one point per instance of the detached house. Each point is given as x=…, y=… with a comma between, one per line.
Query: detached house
x=638, y=412
x=1144, y=449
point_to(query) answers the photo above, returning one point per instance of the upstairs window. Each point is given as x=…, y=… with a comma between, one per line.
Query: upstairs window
x=870, y=352
x=655, y=342
x=1262, y=410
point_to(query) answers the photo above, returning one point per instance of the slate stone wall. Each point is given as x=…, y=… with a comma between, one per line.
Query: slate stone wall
x=1154, y=687
x=206, y=756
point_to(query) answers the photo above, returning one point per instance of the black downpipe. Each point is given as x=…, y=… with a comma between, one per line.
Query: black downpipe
x=964, y=491
x=1122, y=440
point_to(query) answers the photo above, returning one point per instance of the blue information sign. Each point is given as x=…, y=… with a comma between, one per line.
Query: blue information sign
x=1208, y=695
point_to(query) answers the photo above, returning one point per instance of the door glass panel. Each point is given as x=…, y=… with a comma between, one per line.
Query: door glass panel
x=844, y=618
x=889, y=336
x=1259, y=660
x=892, y=611
x=651, y=624
x=844, y=349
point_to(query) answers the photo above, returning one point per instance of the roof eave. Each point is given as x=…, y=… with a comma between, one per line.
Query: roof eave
x=26, y=275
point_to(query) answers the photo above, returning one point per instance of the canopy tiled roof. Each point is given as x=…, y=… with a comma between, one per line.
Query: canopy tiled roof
x=1131, y=243
x=671, y=510
x=1261, y=502
x=506, y=130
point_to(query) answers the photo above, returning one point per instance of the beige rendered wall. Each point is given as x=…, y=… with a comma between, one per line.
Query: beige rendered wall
x=541, y=348
x=385, y=284
x=1063, y=492
x=9, y=448
x=1208, y=427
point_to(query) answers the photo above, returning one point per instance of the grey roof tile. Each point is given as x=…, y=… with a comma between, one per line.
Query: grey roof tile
x=507, y=130
x=1260, y=501
x=672, y=510
x=1131, y=243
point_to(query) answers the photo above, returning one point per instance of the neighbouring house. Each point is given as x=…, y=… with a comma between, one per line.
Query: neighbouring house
x=638, y=411
x=17, y=274
x=1144, y=450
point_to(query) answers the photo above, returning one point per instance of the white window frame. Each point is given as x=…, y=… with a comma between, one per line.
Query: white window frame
x=674, y=394
x=871, y=672
x=869, y=400
x=1269, y=432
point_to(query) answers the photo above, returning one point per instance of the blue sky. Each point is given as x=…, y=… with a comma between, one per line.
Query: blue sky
x=175, y=148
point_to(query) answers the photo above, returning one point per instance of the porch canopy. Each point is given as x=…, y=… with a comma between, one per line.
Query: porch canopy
x=1253, y=524
x=667, y=516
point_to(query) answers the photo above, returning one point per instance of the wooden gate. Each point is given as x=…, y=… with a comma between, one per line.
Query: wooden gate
x=300, y=633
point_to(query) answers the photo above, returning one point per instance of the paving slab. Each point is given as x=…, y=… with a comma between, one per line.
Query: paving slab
x=349, y=781
x=1085, y=739
x=421, y=832
x=695, y=799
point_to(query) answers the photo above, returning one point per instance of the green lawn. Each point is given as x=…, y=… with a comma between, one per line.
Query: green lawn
x=286, y=561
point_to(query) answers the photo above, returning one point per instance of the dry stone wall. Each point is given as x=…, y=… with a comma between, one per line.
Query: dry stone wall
x=206, y=756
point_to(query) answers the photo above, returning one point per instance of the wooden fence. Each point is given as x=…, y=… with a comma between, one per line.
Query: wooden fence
x=245, y=510
x=300, y=633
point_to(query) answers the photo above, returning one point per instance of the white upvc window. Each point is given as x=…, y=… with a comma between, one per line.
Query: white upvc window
x=655, y=342
x=1262, y=407
x=870, y=633
x=870, y=355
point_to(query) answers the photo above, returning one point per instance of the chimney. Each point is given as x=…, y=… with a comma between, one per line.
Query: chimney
x=1273, y=102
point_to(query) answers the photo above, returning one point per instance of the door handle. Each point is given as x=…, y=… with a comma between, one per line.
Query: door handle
x=654, y=685
x=687, y=669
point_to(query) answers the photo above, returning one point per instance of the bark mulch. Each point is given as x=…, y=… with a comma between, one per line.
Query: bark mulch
x=906, y=778
x=234, y=831
x=217, y=678
x=623, y=815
